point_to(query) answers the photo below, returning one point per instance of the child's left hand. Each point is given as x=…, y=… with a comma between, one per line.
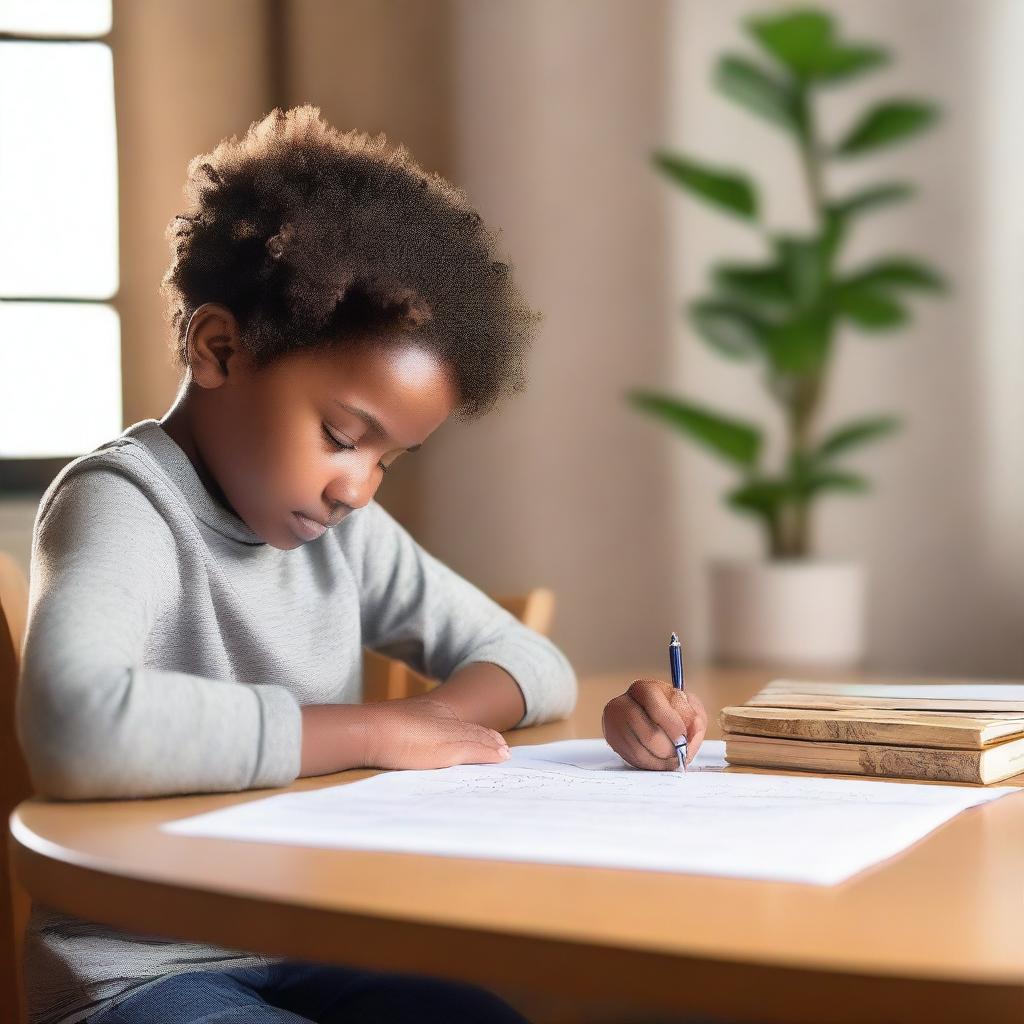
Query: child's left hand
x=643, y=724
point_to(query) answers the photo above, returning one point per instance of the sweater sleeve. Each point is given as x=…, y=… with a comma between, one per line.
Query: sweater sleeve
x=415, y=608
x=93, y=720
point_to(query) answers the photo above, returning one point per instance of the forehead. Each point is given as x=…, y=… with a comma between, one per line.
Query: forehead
x=405, y=387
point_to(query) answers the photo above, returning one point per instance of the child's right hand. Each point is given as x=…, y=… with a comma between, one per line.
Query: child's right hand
x=642, y=724
x=424, y=732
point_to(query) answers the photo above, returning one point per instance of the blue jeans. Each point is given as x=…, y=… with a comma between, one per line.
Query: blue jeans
x=300, y=991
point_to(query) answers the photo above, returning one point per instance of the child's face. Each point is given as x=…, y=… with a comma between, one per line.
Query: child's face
x=266, y=437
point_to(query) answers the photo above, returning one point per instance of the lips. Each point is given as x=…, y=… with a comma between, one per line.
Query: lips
x=308, y=529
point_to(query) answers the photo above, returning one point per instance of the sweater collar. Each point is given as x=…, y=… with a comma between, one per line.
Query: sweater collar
x=172, y=459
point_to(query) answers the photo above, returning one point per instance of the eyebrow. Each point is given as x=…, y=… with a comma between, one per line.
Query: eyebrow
x=373, y=422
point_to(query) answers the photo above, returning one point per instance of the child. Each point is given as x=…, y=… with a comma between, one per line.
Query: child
x=203, y=585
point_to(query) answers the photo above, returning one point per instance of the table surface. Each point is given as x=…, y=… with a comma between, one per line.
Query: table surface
x=942, y=922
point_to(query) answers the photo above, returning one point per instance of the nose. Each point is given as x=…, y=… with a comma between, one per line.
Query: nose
x=354, y=488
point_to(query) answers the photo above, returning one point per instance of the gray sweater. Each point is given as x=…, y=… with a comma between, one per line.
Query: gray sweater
x=169, y=650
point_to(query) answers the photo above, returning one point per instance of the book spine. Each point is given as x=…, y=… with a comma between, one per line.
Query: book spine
x=930, y=765
x=851, y=731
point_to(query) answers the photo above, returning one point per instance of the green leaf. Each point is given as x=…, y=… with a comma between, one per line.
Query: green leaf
x=801, y=344
x=832, y=480
x=761, y=497
x=870, y=308
x=899, y=272
x=731, y=329
x=758, y=284
x=755, y=89
x=885, y=123
x=803, y=41
x=765, y=496
x=735, y=440
x=870, y=198
x=845, y=62
x=803, y=262
x=795, y=39
x=727, y=189
x=852, y=435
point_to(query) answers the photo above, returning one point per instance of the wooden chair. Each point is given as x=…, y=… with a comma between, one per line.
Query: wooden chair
x=387, y=678
x=15, y=785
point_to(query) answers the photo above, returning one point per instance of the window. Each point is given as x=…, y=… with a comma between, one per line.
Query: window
x=60, y=363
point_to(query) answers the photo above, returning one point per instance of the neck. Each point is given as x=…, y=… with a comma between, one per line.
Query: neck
x=180, y=423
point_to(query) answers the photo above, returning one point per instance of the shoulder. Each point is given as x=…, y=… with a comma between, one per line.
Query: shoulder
x=110, y=492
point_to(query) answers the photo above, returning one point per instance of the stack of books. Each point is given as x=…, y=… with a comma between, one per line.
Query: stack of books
x=936, y=732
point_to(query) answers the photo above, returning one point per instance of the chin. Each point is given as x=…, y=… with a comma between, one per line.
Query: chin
x=289, y=543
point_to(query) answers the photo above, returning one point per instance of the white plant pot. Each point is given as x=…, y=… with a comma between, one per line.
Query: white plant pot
x=788, y=613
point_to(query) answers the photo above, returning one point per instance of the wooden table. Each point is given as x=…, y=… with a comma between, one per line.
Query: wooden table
x=936, y=934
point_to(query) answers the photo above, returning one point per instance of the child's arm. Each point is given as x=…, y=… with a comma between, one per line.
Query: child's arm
x=93, y=720
x=485, y=693
x=415, y=608
x=416, y=733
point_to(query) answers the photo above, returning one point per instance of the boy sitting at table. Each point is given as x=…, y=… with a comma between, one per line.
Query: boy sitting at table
x=203, y=585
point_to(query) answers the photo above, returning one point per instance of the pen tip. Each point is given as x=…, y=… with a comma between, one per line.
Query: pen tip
x=675, y=639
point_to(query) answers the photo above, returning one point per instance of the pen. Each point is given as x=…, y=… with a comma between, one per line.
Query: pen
x=675, y=660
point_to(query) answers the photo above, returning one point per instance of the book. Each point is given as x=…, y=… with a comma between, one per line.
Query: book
x=973, y=697
x=946, y=729
x=992, y=764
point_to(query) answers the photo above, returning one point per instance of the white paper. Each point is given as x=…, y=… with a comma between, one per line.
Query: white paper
x=577, y=802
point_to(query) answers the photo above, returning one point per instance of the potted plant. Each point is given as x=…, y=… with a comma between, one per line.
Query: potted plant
x=782, y=315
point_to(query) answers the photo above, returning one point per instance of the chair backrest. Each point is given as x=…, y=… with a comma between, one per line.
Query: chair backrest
x=387, y=678
x=14, y=599
x=15, y=784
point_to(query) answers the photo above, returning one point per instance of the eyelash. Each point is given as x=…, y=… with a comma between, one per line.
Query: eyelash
x=341, y=447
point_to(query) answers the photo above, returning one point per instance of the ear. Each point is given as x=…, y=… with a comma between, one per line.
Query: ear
x=212, y=344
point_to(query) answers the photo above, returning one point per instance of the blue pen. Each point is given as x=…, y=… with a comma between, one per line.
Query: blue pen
x=675, y=660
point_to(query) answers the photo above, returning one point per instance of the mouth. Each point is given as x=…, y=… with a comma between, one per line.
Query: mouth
x=308, y=529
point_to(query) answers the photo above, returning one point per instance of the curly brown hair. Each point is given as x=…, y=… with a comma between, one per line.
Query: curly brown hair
x=314, y=238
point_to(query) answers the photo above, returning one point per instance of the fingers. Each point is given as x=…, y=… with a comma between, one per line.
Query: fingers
x=698, y=727
x=638, y=736
x=643, y=724
x=427, y=734
x=475, y=744
x=629, y=731
x=669, y=709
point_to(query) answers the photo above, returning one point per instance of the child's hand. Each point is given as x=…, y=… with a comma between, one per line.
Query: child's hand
x=424, y=732
x=643, y=724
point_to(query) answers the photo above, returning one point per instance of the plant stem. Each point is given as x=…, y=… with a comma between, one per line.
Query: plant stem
x=811, y=160
x=805, y=396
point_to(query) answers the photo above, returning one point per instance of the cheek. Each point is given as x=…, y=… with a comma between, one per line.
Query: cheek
x=295, y=466
x=275, y=466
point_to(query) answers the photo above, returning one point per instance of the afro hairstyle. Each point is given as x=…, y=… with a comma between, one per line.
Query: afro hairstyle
x=315, y=238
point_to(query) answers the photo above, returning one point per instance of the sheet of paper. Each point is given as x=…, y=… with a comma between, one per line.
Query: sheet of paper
x=577, y=802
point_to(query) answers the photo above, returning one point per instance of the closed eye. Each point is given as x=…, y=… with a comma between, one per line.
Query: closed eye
x=343, y=447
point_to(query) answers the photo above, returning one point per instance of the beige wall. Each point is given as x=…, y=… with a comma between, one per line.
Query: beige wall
x=556, y=106
x=185, y=75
